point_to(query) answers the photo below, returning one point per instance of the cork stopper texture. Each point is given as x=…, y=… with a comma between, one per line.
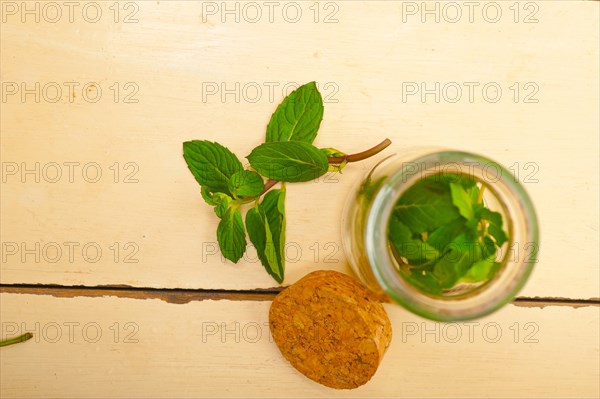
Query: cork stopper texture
x=331, y=328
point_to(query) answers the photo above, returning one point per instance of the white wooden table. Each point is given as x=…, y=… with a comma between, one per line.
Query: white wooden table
x=109, y=254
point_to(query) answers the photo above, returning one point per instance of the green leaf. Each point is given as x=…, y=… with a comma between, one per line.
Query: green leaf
x=467, y=181
x=273, y=204
x=444, y=235
x=266, y=229
x=369, y=187
x=495, y=226
x=246, y=184
x=426, y=205
x=335, y=167
x=298, y=117
x=462, y=201
x=488, y=247
x=222, y=202
x=207, y=195
x=481, y=270
x=414, y=250
x=231, y=235
x=262, y=238
x=211, y=164
x=289, y=161
x=423, y=280
x=462, y=253
x=473, y=193
x=332, y=152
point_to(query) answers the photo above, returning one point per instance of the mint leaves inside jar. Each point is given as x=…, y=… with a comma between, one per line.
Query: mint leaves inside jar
x=442, y=235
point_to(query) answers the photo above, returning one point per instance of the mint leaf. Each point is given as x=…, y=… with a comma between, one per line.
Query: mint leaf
x=274, y=206
x=289, y=161
x=298, y=117
x=423, y=280
x=426, y=205
x=262, y=238
x=468, y=182
x=413, y=249
x=207, y=196
x=462, y=200
x=488, y=247
x=370, y=187
x=473, y=193
x=231, y=235
x=481, y=270
x=495, y=226
x=266, y=229
x=333, y=152
x=222, y=202
x=211, y=164
x=460, y=255
x=246, y=184
x=444, y=235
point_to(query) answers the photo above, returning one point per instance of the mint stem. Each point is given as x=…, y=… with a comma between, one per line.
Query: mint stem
x=480, y=195
x=359, y=156
x=268, y=185
x=20, y=338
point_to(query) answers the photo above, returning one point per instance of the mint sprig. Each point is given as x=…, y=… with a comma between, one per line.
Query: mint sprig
x=288, y=155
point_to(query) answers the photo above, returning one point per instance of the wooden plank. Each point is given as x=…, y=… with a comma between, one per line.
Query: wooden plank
x=213, y=349
x=165, y=235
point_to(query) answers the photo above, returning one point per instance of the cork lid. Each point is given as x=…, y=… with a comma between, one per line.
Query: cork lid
x=331, y=328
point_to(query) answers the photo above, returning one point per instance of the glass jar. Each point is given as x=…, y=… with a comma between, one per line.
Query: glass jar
x=365, y=233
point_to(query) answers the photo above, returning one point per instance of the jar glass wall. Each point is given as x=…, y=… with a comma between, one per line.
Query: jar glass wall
x=367, y=217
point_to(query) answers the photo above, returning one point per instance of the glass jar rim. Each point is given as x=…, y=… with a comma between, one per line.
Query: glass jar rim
x=494, y=294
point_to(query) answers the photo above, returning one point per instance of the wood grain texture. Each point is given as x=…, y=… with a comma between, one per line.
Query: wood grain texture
x=179, y=351
x=175, y=51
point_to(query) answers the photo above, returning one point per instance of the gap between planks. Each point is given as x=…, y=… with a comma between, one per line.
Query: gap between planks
x=182, y=296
